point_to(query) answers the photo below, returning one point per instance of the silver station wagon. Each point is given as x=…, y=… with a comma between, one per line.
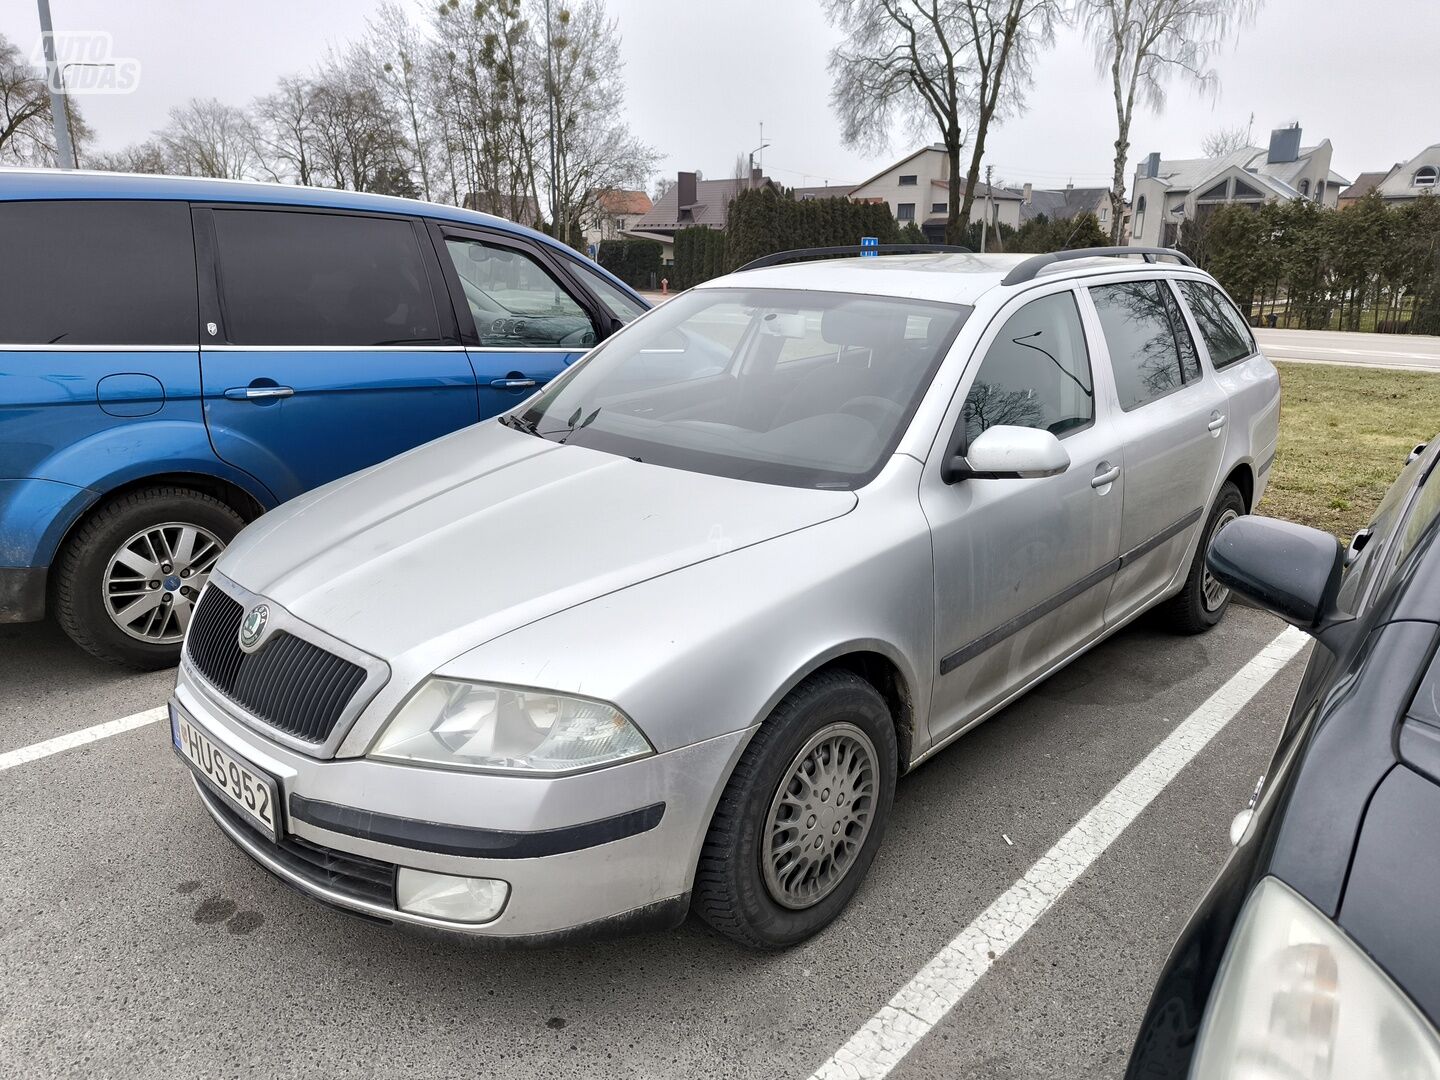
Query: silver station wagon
x=664, y=637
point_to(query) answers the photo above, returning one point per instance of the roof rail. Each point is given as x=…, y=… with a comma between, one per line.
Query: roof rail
x=848, y=250
x=1030, y=267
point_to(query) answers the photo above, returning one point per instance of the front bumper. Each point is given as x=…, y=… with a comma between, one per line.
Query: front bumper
x=607, y=849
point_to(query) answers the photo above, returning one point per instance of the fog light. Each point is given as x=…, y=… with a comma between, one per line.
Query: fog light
x=444, y=896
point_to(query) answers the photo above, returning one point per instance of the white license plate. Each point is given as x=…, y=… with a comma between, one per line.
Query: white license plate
x=252, y=792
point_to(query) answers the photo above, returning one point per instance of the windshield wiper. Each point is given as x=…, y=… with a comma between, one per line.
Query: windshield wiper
x=519, y=423
x=575, y=424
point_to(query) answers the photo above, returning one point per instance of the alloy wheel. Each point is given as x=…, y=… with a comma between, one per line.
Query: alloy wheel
x=152, y=582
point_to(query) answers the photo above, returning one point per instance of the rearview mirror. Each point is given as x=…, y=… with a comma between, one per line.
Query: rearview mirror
x=1290, y=570
x=1004, y=452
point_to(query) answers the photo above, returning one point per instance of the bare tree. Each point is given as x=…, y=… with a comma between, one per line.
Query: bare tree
x=1141, y=44
x=1224, y=141
x=591, y=149
x=905, y=57
x=1006, y=35
x=206, y=137
x=283, y=132
x=398, y=49
x=357, y=139
x=146, y=157
x=24, y=110
x=27, y=136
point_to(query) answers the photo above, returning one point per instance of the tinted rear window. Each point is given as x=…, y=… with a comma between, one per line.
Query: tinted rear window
x=1150, y=349
x=1225, y=332
x=102, y=272
x=290, y=278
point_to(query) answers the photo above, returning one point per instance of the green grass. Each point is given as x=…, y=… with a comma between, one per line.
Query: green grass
x=1344, y=435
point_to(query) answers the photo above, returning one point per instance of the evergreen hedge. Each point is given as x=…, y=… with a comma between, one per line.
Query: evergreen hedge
x=635, y=262
x=763, y=220
x=699, y=256
x=1370, y=266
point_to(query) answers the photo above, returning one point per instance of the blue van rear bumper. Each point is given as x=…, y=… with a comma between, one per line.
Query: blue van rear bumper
x=34, y=516
x=22, y=593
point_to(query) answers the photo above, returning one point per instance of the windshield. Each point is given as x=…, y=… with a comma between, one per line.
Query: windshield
x=807, y=389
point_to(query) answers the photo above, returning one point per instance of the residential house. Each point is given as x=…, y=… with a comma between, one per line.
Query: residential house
x=917, y=189
x=690, y=202
x=1364, y=184
x=1168, y=193
x=616, y=211
x=828, y=191
x=1402, y=182
x=1062, y=204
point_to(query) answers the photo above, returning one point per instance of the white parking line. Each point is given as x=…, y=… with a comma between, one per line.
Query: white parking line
x=34, y=752
x=924, y=1001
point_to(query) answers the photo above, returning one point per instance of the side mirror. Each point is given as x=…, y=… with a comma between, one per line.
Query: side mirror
x=1290, y=570
x=1004, y=452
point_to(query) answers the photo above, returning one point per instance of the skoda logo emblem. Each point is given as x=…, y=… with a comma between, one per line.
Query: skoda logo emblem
x=253, y=626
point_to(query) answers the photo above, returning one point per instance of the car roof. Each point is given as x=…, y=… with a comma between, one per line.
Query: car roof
x=17, y=183
x=948, y=277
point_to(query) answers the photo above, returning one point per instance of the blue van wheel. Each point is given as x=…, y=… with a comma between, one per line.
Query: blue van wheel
x=129, y=577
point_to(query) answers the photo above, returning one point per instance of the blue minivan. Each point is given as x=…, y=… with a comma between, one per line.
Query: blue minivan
x=179, y=355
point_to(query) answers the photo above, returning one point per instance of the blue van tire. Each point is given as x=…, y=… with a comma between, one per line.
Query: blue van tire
x=79, y=574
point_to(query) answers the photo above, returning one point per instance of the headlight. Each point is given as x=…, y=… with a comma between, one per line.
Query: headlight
x=501, y=729
x=1296, y=999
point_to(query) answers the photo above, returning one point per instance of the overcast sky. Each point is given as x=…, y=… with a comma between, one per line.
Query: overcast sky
x=702, y=75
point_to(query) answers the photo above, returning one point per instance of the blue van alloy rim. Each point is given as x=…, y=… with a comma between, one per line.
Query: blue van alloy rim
x=153, y=580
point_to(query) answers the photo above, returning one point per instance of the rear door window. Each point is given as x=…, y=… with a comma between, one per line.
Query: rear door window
x=1150, y=348
x=293, y=278
x=97, y=272
x=1226, y=335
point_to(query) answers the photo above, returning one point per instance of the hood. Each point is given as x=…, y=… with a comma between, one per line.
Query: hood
x=476, y=534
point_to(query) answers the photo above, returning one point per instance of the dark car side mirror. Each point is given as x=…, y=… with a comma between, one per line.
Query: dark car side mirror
x=1290, y=570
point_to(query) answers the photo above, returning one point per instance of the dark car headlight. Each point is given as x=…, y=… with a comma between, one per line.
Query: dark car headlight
x=1296, y=999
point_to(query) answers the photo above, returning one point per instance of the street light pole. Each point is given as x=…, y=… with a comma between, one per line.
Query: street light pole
x=59, y=111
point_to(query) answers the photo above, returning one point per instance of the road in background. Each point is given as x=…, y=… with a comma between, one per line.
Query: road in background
x=1407, y=352
x=139, y=942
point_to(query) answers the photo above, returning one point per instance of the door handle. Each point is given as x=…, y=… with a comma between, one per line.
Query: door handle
x=513, y=384
x=259, y=393
x=1109, y=476
x=1217, y=421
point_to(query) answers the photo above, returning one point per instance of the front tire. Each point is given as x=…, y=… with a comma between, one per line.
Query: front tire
x=802, y=816
x=127, y=579
x=1203, y=600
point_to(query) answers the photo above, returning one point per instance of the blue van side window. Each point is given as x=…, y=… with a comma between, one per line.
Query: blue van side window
x=103, y=272
x=291, y=278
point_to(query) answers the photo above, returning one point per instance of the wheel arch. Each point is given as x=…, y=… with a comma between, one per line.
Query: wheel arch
x=1243, y=477
x=879, y=664
x=243, y=500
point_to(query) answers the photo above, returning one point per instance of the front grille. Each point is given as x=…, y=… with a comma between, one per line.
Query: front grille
x=351, y=875
x=289, y=683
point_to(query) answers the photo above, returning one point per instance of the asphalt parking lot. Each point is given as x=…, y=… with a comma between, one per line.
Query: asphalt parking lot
x=136, y=941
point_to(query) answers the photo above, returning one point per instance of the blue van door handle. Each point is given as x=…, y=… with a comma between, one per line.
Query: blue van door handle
x=258, y=393
x=513, y=384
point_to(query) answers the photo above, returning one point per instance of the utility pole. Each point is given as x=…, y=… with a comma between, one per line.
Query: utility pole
x=552, y=110
x=750, y=176
x=59, y=110
x=985, y=221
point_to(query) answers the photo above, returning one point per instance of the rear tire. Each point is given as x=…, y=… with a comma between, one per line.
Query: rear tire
x=84, y=576
x=788, y=846
x=1203, y=600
